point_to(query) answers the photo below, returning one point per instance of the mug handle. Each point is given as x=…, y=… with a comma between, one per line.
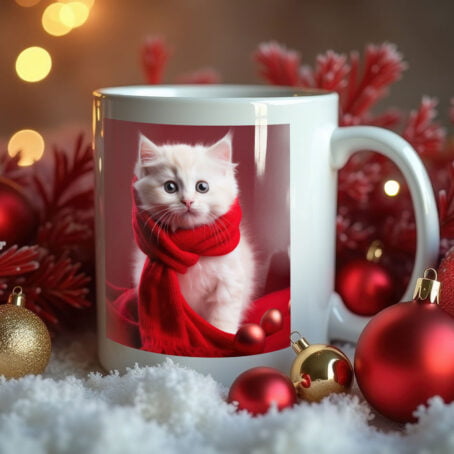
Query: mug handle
x=345, y=141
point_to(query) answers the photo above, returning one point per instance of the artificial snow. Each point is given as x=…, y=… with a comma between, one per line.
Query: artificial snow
x=75, y=407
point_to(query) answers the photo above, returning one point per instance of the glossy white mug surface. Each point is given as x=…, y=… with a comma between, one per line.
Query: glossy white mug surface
x=307, y=124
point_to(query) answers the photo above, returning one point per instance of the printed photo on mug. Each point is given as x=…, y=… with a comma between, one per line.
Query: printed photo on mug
x=197, y=233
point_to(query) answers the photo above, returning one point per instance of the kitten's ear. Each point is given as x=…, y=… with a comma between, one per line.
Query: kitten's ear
x=223, y=148
x=148, y=150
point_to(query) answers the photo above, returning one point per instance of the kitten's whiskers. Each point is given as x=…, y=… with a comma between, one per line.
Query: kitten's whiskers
x=161, y=222
x=215, y=227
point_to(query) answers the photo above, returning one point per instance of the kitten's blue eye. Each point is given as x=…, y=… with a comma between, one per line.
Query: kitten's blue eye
x=170, y=187
x=202, y=186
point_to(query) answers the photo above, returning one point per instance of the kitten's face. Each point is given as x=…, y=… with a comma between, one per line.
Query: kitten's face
x=185, y=186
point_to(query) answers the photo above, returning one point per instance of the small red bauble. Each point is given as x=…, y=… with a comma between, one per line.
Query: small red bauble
x=446, y=277
x=17, y=218
x=258, y=388
x=405, y=355
x=365, y=287
x=250, y=339
x=271, y=321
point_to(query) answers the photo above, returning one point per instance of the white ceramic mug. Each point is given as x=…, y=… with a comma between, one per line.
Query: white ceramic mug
x=288, y=148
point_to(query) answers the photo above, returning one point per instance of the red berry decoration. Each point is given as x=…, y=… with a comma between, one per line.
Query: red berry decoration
x=446, y=277
x=17, y=218
x=250, y=339
x=405, y=355
x=271, y=321
x=364, y=285
x=258, y=388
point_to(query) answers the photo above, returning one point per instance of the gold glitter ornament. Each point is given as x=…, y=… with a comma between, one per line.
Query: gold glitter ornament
x=319, y=370
x=25, y=343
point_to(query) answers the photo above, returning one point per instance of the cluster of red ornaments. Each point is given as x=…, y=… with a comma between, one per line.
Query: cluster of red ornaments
x=317, y=370
x=250, y=337
x=404, y=356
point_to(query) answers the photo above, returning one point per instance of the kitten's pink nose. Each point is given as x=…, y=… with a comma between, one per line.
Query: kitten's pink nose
x=188, y=203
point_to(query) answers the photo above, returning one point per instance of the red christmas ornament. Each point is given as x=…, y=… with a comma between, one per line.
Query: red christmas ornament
x=17, y=218
x=250, y=339
x=257, y=388
x=446, y=277
x=271, y=321
x=405, y=355
x=364, y=285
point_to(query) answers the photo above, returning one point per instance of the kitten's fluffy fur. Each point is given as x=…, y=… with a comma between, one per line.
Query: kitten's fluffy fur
x=218, y=288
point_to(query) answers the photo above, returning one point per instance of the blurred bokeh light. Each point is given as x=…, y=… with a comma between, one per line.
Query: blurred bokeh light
x=33, y=64
x=105, y=50
x=27, y=3
x=30, y=145
x=391, y=188
x=74, y=14
x=52, y=19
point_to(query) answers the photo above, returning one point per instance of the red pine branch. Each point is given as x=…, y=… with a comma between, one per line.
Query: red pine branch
x=388, y=119
x=421, y=131
x=9, y=168
x=382, y=67
x=351, y=234
x=154, y=56
x=16, y=261
x=277, y=64
x=359, y=178
x=56, y=286
x=331, y=70
x=446, y=208
x=400, y=232
x=69, y=231
x=306, y=75
x=359, y=88
x=65, y=192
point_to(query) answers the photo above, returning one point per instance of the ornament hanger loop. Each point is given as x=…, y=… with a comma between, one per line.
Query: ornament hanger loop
x=300, y=344
x=433, y=271
x=427, y=288
x=17, y=296
x=17, y=290
x=292, y=338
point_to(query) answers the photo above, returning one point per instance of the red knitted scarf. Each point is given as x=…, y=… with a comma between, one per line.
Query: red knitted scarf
x=167, y=323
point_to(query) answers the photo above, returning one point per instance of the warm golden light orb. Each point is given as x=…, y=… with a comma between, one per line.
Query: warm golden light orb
x=30, y=145
x=391, y=188
x=33, y=64
x=51, y=20
x=74, y=14
x=27, y=3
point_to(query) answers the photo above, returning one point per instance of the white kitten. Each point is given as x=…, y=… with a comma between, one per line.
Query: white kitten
x=177, y=179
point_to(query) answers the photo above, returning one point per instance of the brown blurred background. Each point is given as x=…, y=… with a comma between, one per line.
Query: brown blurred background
x=218, y=33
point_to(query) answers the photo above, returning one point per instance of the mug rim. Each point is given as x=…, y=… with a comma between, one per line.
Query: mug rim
x=212, y=92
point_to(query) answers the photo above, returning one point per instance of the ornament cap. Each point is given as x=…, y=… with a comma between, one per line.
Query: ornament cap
x=300, y=344
x=427, y=288
x=17, y=297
